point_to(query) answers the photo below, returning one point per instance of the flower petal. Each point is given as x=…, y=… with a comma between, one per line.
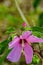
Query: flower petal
x=15, y=54
x=14, y=42
x=33, y=39
x=26, y=34
x=28, y=52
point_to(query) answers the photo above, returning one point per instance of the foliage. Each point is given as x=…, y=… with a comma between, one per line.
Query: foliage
x=41, y=19
x=36, y=3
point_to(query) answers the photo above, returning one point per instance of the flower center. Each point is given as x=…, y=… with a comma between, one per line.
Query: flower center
x=22, y=41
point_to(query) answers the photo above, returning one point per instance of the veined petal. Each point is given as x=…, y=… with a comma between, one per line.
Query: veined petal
x=14, y=42
x=28, y=52
x=34, y=39
x=26, y=34
x=15, y=54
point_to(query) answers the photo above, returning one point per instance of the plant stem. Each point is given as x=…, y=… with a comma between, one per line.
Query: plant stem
x=21, y=13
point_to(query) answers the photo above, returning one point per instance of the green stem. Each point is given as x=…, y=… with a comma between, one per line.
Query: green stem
x=21, y=13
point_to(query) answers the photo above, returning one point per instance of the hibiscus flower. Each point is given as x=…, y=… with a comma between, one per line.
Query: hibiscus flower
x=22, y=43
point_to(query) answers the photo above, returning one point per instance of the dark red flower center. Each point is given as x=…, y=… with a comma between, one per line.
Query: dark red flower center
x=24, y=40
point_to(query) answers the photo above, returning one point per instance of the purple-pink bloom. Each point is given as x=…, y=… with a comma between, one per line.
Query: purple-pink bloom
x=22, y=43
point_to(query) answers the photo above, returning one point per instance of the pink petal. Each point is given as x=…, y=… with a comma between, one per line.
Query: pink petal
x=14, y=42
x=33, y=39
x=28, y=52
x=15, y=54
x=26, y=34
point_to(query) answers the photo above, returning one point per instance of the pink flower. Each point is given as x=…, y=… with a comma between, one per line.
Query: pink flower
x=22, y=43
x=24, y=24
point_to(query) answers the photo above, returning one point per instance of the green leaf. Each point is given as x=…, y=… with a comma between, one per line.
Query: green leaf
x=4, y=45
x=4, y=56
x=38, y=29
x=4, y=50
x=13, y=36
x=38, y=34
x=10, y=30
x=36, y=59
